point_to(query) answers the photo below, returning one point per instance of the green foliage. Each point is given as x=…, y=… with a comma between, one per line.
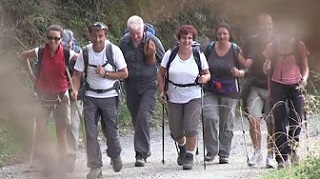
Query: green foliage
x=309, y=169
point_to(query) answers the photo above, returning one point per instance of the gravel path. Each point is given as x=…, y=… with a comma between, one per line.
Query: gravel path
x=154, y=169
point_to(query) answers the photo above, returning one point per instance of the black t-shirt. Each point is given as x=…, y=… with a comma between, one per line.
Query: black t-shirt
x=222, y=81
x=254, y=50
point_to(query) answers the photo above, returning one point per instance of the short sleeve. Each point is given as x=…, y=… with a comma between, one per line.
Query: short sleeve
x=79, y=66
x=165, y=59
x=204, y=62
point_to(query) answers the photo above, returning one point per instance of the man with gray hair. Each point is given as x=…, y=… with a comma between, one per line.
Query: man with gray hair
x=142, y=50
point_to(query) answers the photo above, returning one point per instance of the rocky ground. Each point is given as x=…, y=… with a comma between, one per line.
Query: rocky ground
x=154, y=169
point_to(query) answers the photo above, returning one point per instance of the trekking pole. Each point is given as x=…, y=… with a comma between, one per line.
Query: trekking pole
x=202, y=121
x=243, y=131
x=78, y=109
x=163, y=115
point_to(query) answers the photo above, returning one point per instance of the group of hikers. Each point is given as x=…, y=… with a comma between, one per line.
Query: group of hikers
x=192, y=86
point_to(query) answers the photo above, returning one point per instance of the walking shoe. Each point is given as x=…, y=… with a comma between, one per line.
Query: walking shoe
x=117, y=164
x=209, y=157
x=255, y=159
x=95, y=173
x=281, y=165
x=181, y=155
x=140, y=161
x=188, y=162
x=294, y=158
x=270, y=162
x=223, y=160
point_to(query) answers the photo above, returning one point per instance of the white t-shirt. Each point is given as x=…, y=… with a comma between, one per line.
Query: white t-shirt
x=99, y=58
x=183, y=72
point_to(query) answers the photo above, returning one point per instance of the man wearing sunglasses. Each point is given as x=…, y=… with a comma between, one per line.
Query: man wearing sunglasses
x=51, y=85
x=140, y=86
x=101, y=99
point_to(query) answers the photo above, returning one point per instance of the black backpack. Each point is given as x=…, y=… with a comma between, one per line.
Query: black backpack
x=109, y=53
x=196, y=54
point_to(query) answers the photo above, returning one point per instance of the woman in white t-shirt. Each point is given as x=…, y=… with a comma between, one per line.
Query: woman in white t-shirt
x=180, y=89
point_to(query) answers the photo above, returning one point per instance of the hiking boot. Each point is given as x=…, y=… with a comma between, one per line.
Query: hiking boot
x=270, y=162
x=255, y=159
x=117, y=164
x=182, y=153
x=95, y=173
x=223, y=160
x=294, y=158
x=188, y=162
x=209, y=157
x=140, y=161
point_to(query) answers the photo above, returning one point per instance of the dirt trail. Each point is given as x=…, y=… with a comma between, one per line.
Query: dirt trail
x=154, y=169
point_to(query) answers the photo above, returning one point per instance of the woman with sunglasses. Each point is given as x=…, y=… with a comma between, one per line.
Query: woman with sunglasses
x=51, y=85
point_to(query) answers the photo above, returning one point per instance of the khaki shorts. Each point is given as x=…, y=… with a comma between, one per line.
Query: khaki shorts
x=184, y=118
x=61, y=112
x=259, y=104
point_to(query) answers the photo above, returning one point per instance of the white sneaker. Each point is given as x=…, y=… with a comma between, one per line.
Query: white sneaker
x=255, y=159
x=270, y=162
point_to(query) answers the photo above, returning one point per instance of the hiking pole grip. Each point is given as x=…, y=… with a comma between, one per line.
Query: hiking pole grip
x=78, y=109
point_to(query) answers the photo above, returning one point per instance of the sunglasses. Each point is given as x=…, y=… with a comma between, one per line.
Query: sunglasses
x=53, y=38
x=99, y=25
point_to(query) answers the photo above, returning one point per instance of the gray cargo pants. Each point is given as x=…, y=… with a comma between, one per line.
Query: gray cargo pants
x=219, y=114
x=107, y=109
x=141, y=100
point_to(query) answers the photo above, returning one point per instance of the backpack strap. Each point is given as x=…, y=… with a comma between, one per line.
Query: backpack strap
x=209, y=48
x=235, y=51
x=37, y=66
x=85, y=60
x=173, y=54
x=66, y=54
x=109, y=54
x=196, y=55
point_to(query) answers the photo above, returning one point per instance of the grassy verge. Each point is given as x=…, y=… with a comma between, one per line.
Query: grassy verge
x=308, y=169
